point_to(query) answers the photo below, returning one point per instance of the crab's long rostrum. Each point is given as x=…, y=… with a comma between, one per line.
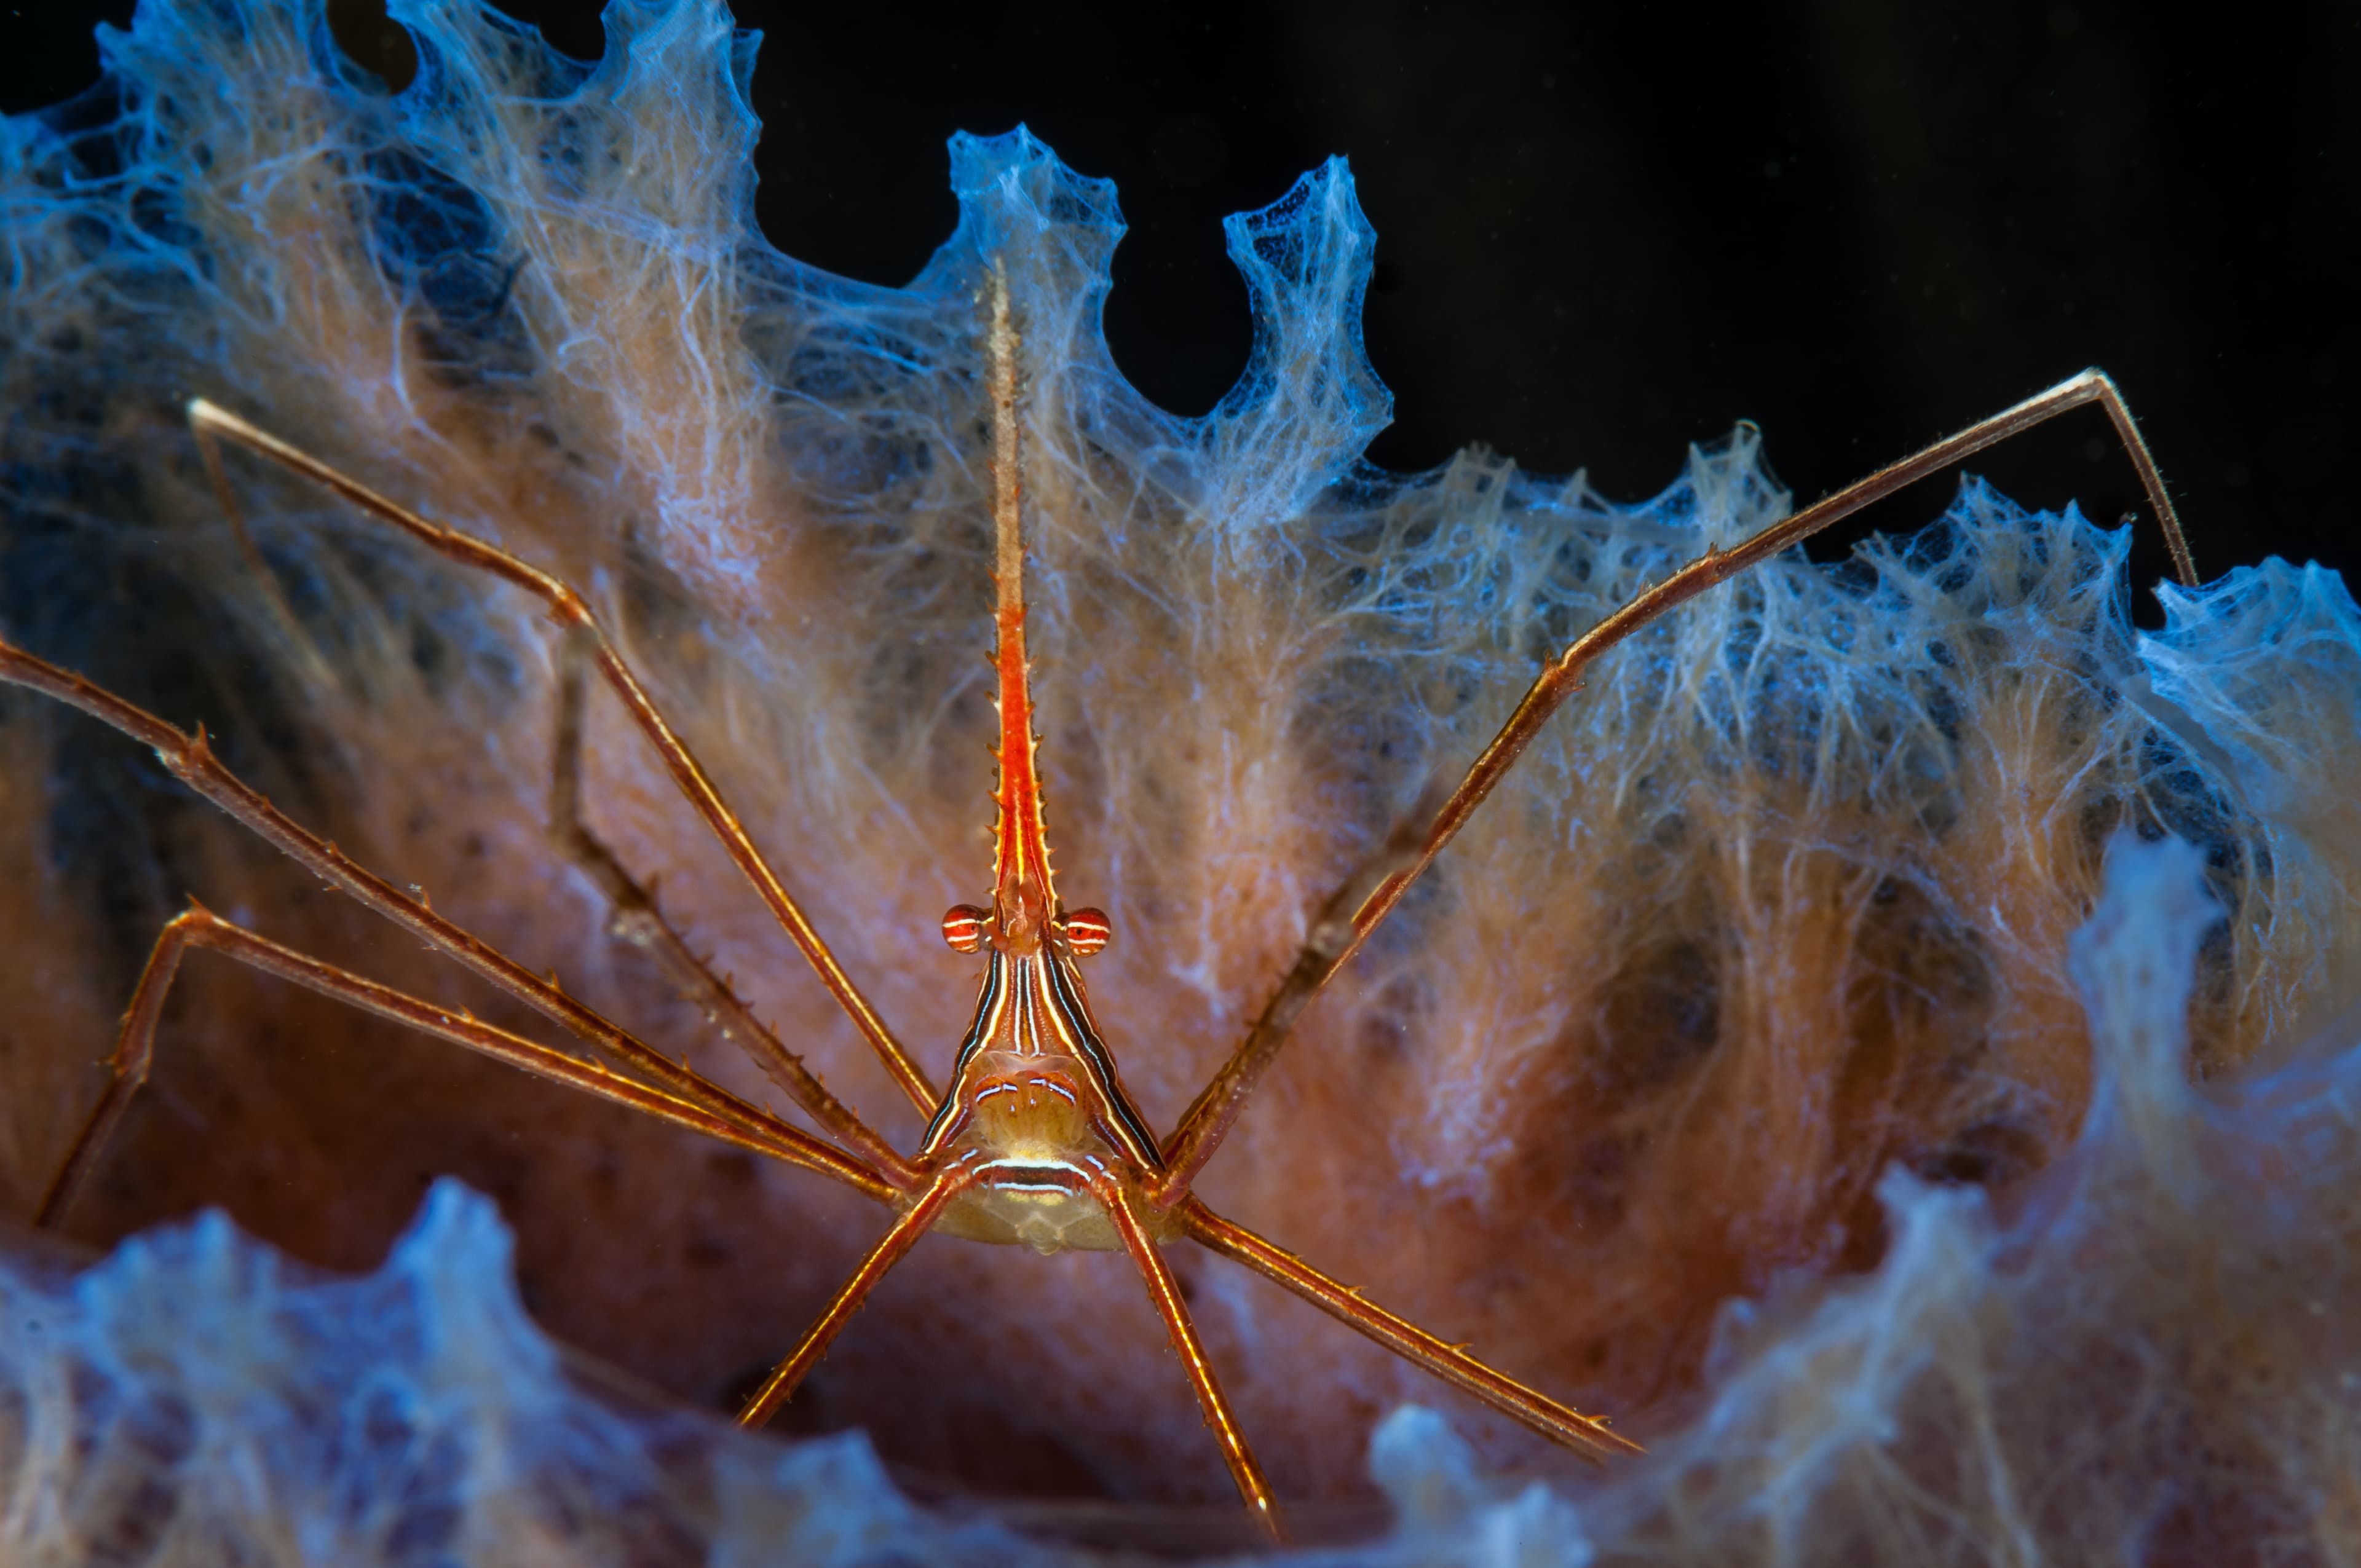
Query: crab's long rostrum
x=1345, y=923
x=1036, y=1141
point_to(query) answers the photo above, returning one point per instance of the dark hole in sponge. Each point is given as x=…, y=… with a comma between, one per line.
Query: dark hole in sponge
x=1660, y=1019
x=1992, y=1153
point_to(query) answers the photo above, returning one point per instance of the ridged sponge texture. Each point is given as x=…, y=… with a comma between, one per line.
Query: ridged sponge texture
x=1782, y=904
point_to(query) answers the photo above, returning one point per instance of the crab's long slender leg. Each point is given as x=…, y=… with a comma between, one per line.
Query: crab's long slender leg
x=1253, y=1488
x=566, y=608
x=914, y=1223
x=188, y=758
x=637, y=920
x=294, y=641
x=134, y=1051
x=1587, y=1435
x=1335, y=938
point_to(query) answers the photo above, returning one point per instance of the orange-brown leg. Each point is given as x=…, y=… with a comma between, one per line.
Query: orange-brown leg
x=1336, y=936
x=637, y=920
x=188, y=758
x=566, y=608
x=1587, y=1435
x=1253, y=1488
x=134, y=1051
x=780, y=1386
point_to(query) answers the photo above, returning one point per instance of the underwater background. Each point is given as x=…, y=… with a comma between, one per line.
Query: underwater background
x=1765, y=1067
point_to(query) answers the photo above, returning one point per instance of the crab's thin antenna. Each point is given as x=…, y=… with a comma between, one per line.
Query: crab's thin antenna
x=1024, y=898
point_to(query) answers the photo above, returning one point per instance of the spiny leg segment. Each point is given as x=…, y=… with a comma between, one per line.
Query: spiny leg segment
x=581, y=644
x=1334, y=938
x=188, y=758
x=567, y=609
x=134, y=1051
x=1588, y=1435
x=1252, y=1486
x=924, y=1207
x=636, y=919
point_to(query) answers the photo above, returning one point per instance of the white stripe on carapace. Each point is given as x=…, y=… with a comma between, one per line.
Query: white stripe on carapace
x=985, y=1174
x=1073, y=1012
x=1042, y=988
x=988, y=1006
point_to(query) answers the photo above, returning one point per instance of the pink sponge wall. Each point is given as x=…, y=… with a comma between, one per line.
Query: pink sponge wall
x=1736, y=1073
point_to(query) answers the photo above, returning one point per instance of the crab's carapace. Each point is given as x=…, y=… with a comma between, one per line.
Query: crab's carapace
x=1035, y=1121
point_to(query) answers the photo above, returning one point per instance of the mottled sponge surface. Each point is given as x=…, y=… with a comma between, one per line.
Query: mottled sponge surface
x=1737, y=1072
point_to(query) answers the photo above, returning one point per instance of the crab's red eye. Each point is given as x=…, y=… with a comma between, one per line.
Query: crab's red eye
x=963, y=926
x=1087, y=930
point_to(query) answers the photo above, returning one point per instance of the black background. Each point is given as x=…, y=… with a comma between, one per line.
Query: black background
x=1608, y=230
